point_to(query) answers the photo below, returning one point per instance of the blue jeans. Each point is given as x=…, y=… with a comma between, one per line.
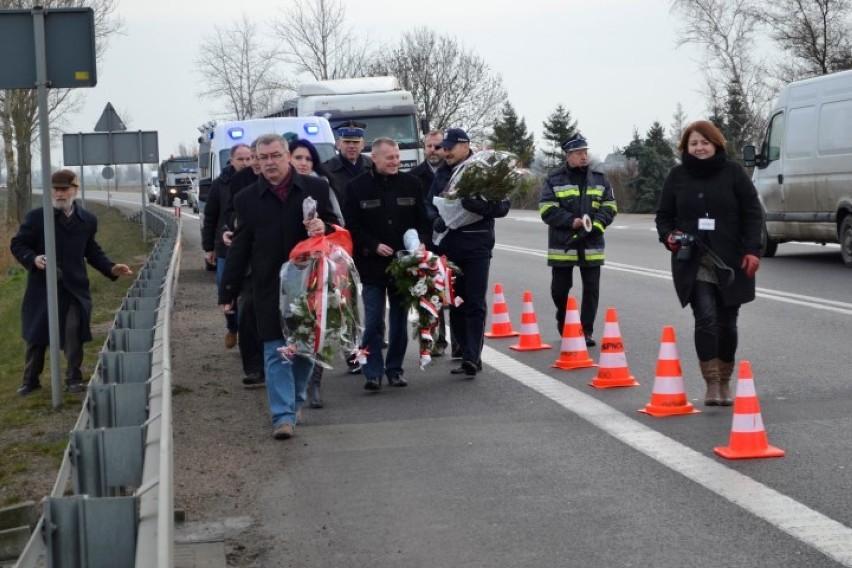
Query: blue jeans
x=230, y=319
x=374, y=307
x=286, y=382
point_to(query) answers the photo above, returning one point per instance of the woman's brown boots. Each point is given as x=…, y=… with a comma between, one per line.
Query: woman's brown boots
x=717, y=376
x=710, y=372
x=726, y=369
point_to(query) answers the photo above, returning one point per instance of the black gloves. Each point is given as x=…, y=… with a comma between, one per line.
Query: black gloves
x=438, y=225
x=477, y=205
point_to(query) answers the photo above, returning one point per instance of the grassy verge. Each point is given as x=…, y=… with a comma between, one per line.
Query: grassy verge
x=32, y=435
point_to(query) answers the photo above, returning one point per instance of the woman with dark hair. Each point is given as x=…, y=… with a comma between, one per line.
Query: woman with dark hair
x=305, y=159
x=710, y=218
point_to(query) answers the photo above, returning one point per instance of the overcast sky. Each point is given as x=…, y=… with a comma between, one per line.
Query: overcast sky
x=613, y=63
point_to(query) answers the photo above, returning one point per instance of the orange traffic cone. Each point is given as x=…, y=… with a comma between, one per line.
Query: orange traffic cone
x=501, y=326
x=668, y=397
x=530, y=339
x=573, y=353
x=748, y=438
x=613, y=371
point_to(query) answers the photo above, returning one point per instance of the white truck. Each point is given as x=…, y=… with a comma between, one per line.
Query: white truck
x=379, y=102
x=803, y=172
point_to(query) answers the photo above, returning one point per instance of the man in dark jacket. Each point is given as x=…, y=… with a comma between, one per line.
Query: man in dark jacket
x=251, y=347
x=470, y=248
x=75, y=245
x=382, y=205
x=578, y=205
x=214, y=219
x=425, y=172
x=349, y=163
x=269, y=222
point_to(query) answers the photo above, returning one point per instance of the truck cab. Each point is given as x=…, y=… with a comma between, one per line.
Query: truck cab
x=380, y=103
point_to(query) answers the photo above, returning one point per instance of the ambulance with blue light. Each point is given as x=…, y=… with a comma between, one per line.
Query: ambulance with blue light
x=222, y=136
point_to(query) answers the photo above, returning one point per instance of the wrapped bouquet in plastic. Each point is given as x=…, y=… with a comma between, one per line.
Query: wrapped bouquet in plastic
x=424, y=282
x=487, y=175
x=320, y=303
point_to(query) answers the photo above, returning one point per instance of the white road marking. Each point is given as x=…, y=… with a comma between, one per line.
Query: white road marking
x=844, y=308
x=830, y=537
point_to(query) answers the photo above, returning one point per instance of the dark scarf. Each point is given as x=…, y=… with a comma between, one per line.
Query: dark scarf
x=699, y=168
x=282, y=188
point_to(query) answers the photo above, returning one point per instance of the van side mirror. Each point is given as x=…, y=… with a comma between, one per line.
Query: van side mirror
x=424, y=126
x=749, y=156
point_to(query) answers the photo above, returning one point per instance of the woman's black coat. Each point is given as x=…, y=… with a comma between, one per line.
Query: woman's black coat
x=729, y=197
x=266, y=232
x=75, y=245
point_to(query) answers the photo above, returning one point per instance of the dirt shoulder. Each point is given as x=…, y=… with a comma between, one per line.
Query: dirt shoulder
x=221, y=430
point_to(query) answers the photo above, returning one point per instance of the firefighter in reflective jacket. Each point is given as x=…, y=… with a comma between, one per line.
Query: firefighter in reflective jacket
x=577, y=204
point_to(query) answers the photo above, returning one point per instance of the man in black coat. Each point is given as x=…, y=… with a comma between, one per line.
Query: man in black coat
x=214, y=220
x=469, y=247
x=425, y=172
x=382, y=205
x=269, y=222
x=349, y=163
x=75, y=245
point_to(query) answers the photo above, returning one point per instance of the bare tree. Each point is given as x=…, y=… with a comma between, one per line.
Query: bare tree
x=727, y=30
x=18, y=108
x=318, y=41
x=452, y=86
x=814, y=32
x=238, y=69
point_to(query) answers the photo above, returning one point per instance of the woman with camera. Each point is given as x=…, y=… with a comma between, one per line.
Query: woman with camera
x=710, y=219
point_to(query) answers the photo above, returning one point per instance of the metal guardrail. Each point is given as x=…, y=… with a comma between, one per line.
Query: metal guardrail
x=113, y=501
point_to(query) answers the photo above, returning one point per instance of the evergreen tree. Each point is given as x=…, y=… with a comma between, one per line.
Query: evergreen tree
x=510, y=134
x=655, y=158
x=736, y=121
x=557, y=129
x=677, y=127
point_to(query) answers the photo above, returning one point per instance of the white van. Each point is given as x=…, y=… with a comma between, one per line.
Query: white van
x=221, y=137
x=803, y=170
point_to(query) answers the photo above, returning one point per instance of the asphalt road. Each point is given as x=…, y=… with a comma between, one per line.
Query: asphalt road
x=528, y=466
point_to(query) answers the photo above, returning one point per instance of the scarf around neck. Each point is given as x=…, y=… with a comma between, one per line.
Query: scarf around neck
x=704, y=168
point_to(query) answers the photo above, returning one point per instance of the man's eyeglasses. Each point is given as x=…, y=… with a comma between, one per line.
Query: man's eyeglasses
x=270, y=157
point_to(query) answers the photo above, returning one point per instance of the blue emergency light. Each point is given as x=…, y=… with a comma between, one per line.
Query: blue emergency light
x=236, y=133
x=311, y=128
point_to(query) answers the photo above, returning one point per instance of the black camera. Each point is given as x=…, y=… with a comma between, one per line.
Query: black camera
x=685, y=240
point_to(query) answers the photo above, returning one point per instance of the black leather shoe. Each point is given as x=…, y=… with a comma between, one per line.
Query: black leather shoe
x=590, y=342
x=253, y=380
x=26, y=388
x=397, y=382
x=372, y=385
x=467, y=368
x=456, y=353
x=75, y=386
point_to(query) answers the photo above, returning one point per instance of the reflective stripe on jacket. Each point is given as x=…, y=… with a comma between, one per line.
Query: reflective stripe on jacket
x=568, y=194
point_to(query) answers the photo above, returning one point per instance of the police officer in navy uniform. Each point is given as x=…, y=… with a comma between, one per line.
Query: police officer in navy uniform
x=470, y=248
x=349, y=163
x=578, y=205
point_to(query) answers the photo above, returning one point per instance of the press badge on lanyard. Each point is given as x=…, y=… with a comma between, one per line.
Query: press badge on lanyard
x=706, y=224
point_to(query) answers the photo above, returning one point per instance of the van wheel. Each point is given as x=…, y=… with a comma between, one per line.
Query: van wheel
x=770, y=245
x=846, y=240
